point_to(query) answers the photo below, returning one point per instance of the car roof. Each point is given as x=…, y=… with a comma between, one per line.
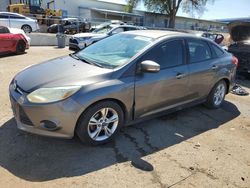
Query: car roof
x=12, y=13
x=124, y=25
x=159, y=33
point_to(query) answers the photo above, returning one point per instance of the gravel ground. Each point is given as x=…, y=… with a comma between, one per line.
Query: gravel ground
x=195, y=147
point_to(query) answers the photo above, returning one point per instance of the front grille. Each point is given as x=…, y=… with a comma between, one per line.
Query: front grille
x=23, y=117
x=73, y=41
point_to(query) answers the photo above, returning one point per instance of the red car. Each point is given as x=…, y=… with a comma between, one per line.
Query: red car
x=10, y=42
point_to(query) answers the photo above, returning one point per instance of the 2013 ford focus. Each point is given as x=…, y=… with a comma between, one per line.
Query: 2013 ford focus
x=118, y=81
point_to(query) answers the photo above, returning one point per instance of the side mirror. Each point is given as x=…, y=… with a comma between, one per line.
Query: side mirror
x=150, y=66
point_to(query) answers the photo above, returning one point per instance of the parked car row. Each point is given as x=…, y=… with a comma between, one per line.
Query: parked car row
x=70, y=26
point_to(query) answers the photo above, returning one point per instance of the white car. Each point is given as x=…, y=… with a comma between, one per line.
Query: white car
x=19, y=31
x=14, y=20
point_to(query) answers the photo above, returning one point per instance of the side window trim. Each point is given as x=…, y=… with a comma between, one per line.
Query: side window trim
x=183, y=49
x=213, y=51
x=189, y=57
x=184, y=53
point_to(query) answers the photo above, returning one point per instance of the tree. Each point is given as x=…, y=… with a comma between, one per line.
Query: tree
x=171, y=7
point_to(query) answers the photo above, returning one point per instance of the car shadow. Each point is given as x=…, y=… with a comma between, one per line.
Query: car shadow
x=35, y=158
x=2, y=55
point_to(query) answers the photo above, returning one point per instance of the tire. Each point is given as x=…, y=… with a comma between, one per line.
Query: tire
x=26, y=28
x=20, y=47
x=217, y=95
x=92, y=128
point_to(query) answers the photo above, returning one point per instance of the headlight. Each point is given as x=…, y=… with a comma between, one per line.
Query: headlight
x=47, y=95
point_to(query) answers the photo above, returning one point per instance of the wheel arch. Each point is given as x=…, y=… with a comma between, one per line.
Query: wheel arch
x=117, y=101
x=227, y=83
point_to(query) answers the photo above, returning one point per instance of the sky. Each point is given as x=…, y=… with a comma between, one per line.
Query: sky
x=220, y=9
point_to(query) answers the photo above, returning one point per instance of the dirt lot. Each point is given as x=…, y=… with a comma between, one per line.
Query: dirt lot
x=195, y=147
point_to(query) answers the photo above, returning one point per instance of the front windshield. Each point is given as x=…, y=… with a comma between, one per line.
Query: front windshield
x=114, y=51
x=103, y=29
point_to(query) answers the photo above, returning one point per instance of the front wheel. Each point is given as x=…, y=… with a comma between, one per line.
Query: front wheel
x=20, y=47
x=217, y=95
x=100, y=123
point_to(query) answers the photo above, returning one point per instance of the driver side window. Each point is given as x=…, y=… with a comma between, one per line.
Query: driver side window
x=168, y=54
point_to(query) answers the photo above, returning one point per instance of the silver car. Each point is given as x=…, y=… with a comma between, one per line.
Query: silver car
x=123, y=79
x=82, y=40
x=15, y=20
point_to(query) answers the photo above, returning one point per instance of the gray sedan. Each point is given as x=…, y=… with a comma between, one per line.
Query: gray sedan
x=123, y=79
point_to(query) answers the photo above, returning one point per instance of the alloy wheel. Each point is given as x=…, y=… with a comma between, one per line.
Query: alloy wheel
x=219, y=94
x=26, y=29
x=103, y=124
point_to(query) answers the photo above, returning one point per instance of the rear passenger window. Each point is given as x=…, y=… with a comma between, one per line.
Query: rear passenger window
x=16, y=17
x=219, y=52
x=199, y=51
x=167, y=55
x=130, y=28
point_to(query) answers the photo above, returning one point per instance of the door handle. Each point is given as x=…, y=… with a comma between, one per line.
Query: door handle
x=180, y=75
x=214, y=67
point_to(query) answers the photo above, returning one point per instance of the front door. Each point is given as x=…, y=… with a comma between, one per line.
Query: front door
x=167, y=88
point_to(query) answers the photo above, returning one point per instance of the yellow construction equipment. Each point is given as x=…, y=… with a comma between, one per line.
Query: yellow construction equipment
x=33, y=7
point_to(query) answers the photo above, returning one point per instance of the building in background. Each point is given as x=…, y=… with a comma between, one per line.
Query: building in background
x=97, y=11
x=229, y=20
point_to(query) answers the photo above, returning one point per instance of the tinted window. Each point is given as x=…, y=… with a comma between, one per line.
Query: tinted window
x=118, y=30
x=16, y=17
x=3, y=16
x=4, y=30
x=169, y=54
x=199, y=51
x=130, y=28
x=219, y=52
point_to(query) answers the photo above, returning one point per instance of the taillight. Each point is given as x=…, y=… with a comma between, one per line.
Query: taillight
x=235, y=60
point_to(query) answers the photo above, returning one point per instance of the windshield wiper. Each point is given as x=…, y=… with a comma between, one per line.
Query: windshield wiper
x=91, y=62
x=74, y=56
x=86, y=61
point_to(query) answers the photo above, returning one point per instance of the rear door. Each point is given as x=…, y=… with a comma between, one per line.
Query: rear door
x=167, y=88
x=202, y=67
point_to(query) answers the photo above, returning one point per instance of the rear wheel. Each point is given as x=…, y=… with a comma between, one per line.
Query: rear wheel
x=26, y=28
x=217, y=95
x=20, y=47
x=100, y=123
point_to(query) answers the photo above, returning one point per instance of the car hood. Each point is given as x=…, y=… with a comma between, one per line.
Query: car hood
x=86, y=35
x=239, y=31
x=63, y=71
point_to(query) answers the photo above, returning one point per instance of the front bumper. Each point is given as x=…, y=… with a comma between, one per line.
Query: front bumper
x=30, y=117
